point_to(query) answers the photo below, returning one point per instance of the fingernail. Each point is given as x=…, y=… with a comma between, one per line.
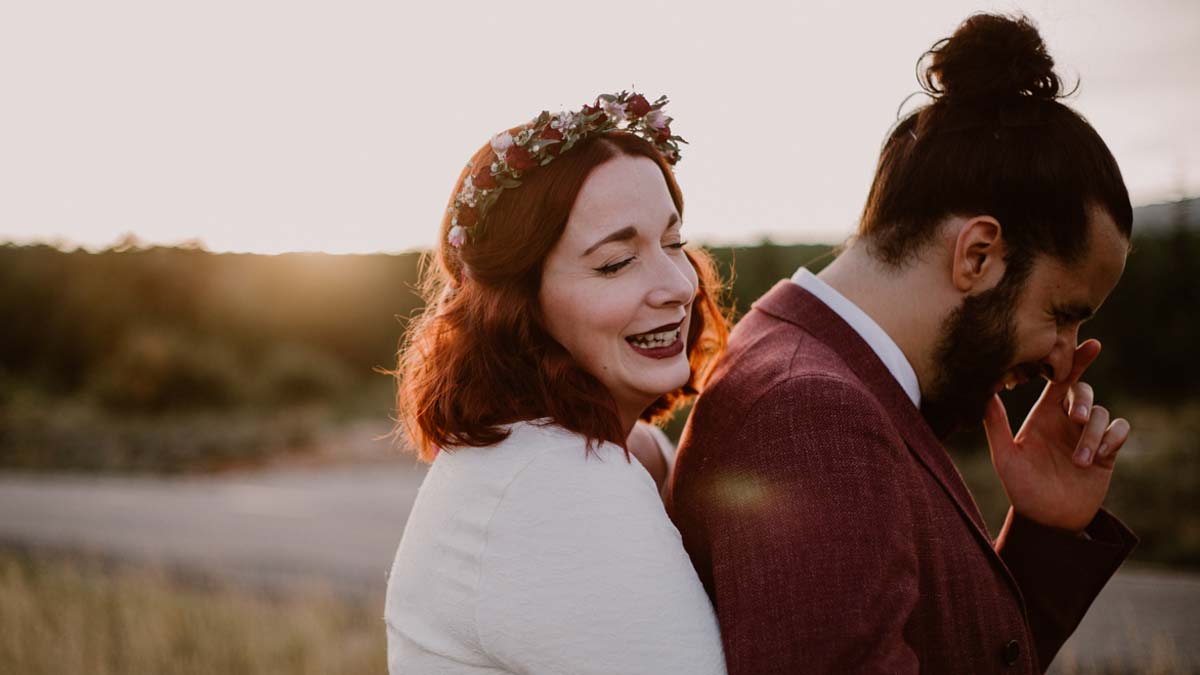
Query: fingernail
x=1102, y=450
x=1083, y=455
x=1081, y=412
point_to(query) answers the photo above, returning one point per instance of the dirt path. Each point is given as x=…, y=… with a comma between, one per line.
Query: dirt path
x=341, y=525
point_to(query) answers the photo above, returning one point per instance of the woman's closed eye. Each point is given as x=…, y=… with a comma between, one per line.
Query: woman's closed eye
x=612, y=268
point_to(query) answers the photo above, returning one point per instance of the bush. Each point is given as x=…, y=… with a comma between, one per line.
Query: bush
x=74, y=436
x=154, y=370
x=296, y=373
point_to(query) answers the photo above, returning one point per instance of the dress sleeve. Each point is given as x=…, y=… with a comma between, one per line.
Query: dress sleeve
x=584, y=573
x=813, y=559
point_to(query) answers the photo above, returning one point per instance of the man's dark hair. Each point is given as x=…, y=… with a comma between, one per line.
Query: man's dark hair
x=995, y=141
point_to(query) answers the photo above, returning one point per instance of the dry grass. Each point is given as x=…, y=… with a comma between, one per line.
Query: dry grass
x=60, y=615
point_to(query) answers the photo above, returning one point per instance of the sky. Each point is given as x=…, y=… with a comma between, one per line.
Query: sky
x=341, y=126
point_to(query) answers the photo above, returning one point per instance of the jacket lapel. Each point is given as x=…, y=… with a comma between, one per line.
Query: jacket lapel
x=789, y=302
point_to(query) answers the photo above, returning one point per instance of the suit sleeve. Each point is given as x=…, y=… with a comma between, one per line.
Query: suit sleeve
x=1059, y=573
x=814, y=567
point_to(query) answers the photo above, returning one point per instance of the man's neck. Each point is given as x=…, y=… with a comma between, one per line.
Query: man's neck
x=904, y=302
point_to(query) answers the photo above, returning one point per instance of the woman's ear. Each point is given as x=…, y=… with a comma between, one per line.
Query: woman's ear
x=979, y=250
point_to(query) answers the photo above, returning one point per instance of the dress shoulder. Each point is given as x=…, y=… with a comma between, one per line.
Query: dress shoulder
x=584, y=572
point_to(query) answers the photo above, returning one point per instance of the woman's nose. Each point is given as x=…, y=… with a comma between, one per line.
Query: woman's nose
x=674, y=281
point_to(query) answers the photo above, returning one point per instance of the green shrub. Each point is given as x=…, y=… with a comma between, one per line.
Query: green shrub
x=154, y=370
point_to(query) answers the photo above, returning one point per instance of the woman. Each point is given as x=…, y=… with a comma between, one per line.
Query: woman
x=562, y=310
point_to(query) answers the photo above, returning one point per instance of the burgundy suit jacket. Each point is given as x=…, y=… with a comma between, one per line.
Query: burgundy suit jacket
x=833, y=532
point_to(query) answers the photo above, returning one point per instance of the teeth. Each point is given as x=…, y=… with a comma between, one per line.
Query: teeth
x=1010, y=380
x=653, y=340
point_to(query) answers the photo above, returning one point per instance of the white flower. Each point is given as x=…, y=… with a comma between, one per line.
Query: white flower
x=563, y=121
x=457, y=236
x=614, y=110
x=467, y=193
x=501, y=142
x=657, y=119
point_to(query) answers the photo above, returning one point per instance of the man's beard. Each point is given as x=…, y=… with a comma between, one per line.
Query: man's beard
x=977, y=344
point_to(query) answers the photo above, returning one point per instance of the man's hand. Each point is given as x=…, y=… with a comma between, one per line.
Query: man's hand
x=1057, y=469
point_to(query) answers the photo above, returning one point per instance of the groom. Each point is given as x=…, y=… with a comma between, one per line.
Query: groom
x=828, y=524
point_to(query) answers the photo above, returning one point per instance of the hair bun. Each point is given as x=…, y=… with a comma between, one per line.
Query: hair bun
x=991, y=59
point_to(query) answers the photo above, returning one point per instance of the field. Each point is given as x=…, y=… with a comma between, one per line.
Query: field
x=78, y=615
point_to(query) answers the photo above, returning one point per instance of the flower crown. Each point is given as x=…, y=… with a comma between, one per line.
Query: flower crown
x=548, y=136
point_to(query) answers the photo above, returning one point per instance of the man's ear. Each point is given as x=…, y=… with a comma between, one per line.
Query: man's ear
x=979, y=249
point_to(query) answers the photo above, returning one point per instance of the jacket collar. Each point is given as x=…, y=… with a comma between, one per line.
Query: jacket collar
x=793, y=304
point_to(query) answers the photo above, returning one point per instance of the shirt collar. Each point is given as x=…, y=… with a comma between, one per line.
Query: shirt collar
x=880, y=342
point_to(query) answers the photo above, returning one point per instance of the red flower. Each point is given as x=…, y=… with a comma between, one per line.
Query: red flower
x=518, y=158
x=467, y=217
x=590, y=109
x=483, y=180
x=663, y=135
x=550, y=133
x=637, y=105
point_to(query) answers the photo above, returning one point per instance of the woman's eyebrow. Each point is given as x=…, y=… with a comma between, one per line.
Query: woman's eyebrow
x=624, y=234
x=672, y=221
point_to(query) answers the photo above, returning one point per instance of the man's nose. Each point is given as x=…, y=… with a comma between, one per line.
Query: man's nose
x=1060, y=359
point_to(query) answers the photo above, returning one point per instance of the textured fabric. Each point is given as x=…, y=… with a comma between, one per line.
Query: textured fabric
x=532, y=556
x=876, y=338
x=833, y=532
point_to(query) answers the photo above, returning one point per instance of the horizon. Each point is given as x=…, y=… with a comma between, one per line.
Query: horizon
x=130, y=241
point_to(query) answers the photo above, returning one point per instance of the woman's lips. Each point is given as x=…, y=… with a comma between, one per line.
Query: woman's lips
x=659, y=343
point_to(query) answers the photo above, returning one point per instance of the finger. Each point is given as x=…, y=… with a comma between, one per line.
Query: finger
x=1085, y=355
x=1089, y=441
x=1078, y=404
x=1114, y=438
x=995, y=424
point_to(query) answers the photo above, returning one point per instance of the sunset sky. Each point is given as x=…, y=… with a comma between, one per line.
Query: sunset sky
x=341, y=126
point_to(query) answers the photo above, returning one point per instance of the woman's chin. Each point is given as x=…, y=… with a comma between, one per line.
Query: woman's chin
x=670, y=377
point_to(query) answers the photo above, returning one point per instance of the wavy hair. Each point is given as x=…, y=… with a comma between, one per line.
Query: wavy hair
x=479, y=356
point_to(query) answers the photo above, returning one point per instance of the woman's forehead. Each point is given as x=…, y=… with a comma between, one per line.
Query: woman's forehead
x=624, y=191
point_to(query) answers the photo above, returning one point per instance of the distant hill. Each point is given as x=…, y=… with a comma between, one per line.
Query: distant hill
x=1164, y=216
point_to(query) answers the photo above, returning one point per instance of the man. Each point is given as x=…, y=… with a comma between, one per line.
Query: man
x=828, y=524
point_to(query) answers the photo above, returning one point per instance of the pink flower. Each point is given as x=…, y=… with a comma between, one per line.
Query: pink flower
x=501, y=143
x=457, y=236
x=614, y=110
x=657, y=119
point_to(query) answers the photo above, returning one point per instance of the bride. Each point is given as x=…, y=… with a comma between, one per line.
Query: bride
x=562, y=308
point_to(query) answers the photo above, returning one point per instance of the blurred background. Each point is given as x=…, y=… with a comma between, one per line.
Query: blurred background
x=213, y=217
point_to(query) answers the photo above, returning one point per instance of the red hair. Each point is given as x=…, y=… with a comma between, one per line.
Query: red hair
x=479, y=356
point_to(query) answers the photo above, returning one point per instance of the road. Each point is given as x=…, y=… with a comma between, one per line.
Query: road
x=341, y=524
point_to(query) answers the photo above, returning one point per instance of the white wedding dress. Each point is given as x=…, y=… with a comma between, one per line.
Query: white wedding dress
x=531, y=556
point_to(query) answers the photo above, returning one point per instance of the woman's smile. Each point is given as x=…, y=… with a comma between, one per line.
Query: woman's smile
x=659, y=343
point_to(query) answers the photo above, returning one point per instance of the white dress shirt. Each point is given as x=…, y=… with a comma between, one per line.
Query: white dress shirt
x=879, y=341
